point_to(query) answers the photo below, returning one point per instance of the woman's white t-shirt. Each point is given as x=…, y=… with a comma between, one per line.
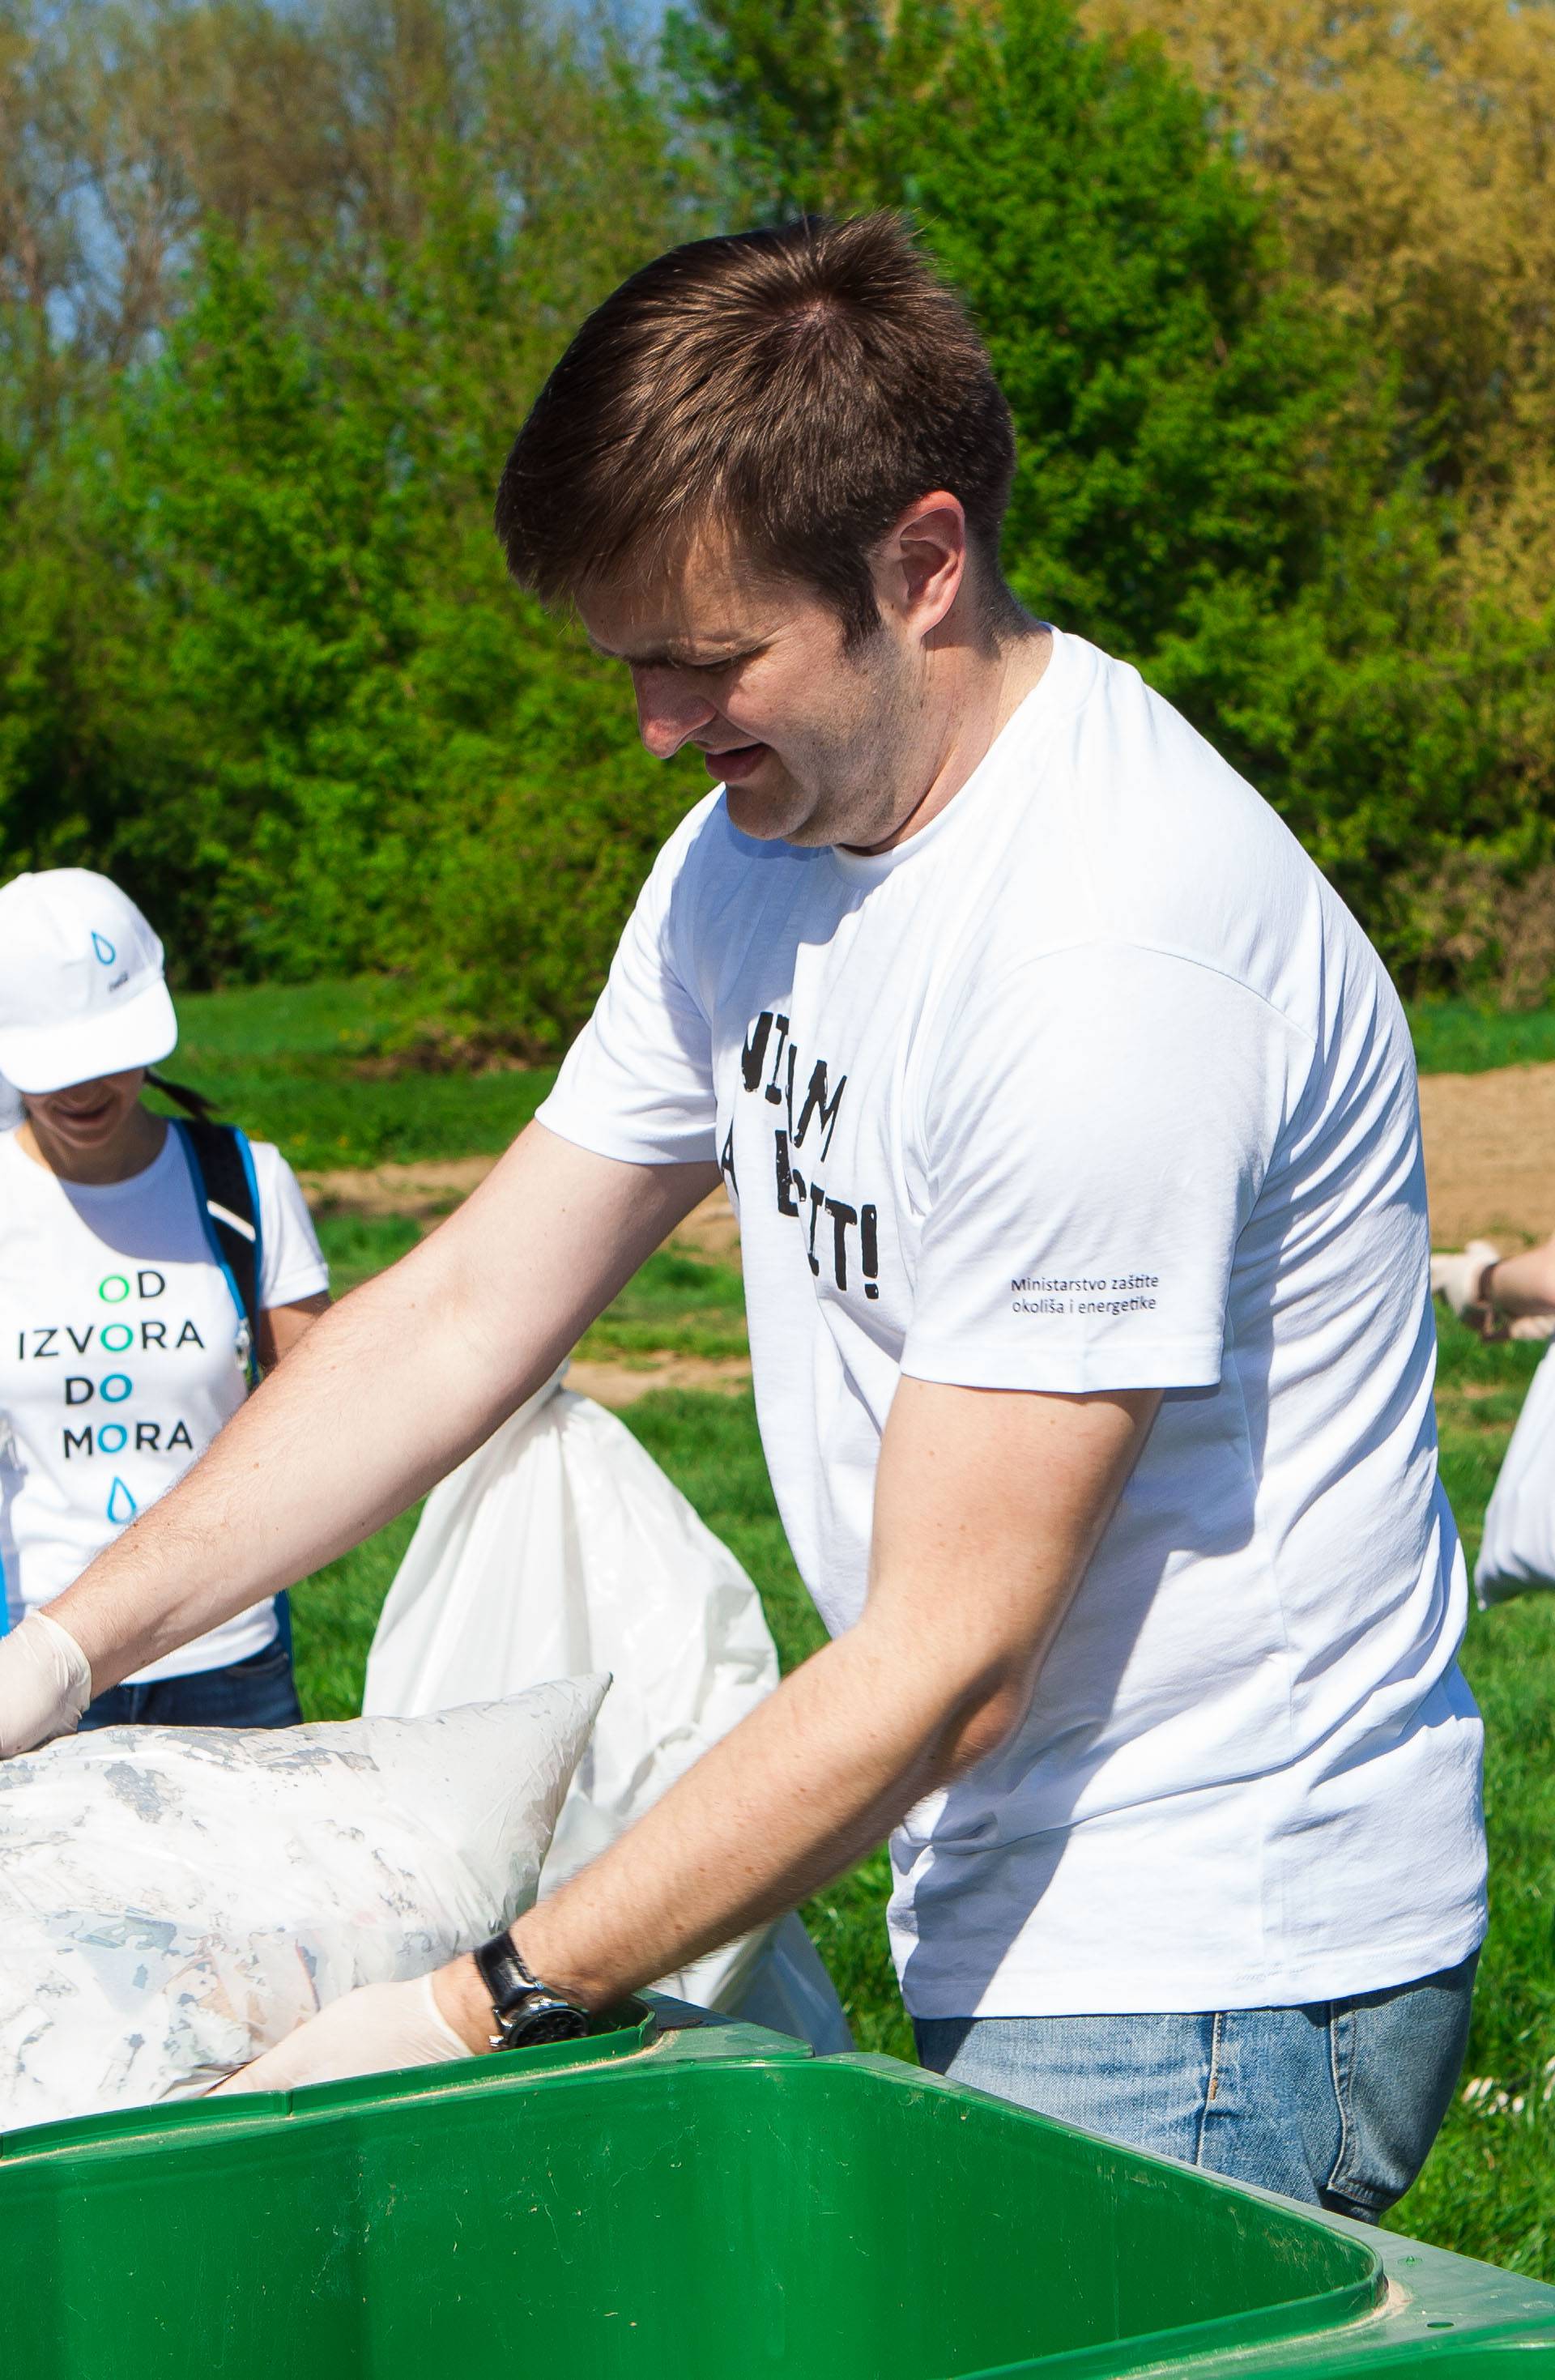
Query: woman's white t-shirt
x=121, y=1356
x=1094, y=1084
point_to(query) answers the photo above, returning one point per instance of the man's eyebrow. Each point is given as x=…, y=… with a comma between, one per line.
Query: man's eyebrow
x=680, y=657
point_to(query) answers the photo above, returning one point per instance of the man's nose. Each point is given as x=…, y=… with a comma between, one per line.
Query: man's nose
x=670, y=709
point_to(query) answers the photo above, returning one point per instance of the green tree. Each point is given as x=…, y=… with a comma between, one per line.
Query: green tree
x=258, y=652
x=340, y=738
x=1168, y=385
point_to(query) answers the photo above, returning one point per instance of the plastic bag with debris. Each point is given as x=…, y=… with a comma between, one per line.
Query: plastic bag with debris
x=175, y=1900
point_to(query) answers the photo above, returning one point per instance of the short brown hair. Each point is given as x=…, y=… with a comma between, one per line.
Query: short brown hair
x=799, y=386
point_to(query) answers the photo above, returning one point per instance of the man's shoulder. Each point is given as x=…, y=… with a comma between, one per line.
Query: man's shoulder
x=1131, y=828
x=1125, y=830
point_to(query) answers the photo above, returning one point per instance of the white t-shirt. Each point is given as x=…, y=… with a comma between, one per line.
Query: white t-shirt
x=120, y=1358
x=1094, y=1084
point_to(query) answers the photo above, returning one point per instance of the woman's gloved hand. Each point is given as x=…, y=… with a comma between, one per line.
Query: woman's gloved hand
x=45, y=1684
x=1458, y=1278
x=371, y=2031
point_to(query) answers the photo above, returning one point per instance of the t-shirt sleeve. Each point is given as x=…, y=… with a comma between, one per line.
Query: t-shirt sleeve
x=292, y=1263
x=637, y=1082
x=1097, y=1129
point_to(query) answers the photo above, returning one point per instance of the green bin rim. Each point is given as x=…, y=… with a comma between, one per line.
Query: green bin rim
x=622, y=2032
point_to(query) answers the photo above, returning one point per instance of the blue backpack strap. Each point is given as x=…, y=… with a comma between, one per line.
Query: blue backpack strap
x=221, y=1167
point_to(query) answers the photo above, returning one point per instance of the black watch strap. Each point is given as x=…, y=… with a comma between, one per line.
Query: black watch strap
x=526, y=2011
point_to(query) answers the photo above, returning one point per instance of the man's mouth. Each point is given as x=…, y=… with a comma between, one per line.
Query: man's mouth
x=737, y=761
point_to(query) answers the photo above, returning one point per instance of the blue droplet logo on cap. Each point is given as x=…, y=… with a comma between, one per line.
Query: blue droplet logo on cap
x=104, y=949
x=121, y=1503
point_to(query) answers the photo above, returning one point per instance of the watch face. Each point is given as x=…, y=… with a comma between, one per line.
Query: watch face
x=556, y=2022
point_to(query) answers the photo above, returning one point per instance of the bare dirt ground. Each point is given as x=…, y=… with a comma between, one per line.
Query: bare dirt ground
x=1490, y=1155
x=423, y=1192
x=427, y=1192
x=622, y=1384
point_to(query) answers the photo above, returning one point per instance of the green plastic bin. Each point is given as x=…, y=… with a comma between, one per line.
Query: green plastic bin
x=681, y=2204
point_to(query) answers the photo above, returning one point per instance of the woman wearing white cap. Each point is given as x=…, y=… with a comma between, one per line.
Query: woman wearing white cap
x=125, y=1342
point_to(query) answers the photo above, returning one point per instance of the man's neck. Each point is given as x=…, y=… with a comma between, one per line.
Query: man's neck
x=980, y=695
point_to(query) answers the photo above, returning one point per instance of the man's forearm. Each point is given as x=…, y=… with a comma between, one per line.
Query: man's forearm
x=804, y=1788
x=381, y=1398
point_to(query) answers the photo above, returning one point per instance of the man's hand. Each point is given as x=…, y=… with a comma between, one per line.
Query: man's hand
x=45, y=1684
x=988, y=1504
x=374, y=2030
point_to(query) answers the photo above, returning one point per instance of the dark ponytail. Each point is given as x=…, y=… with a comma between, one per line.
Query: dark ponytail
x=192, y=1102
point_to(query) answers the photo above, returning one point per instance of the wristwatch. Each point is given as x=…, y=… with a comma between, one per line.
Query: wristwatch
x=526, y=2011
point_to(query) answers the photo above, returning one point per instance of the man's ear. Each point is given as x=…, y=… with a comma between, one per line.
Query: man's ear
x=919, y=565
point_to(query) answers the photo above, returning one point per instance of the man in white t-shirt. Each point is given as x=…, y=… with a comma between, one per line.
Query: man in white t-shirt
x=1071, y=1125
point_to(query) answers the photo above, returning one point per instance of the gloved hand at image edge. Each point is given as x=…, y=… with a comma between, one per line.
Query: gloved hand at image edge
x=373, y=2030
x=45, y=1684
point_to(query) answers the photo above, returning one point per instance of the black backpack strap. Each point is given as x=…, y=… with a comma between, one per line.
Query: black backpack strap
x=223, y=1172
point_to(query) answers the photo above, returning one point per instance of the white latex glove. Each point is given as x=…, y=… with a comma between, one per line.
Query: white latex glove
x=45, y=1684
x=371, y=2031
x=1455, y=1278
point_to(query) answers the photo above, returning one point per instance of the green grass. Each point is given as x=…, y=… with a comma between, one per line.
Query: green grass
x=1452, y=1037
x=677, y=1304
x=1488, y=2189
x=350, y=1016
x=334, y=1615
x=356, y=1247
x=400, y=1120
x=312, y=1067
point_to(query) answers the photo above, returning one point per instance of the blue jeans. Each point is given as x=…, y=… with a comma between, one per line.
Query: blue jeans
x=1336, y=2103
x=260, y=1692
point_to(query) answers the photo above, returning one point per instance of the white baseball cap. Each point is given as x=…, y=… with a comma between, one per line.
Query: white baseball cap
x=81, y=989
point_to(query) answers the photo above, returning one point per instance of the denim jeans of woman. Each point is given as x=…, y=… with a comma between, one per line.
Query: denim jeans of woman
x=260, y=1692
x=1336, y=2103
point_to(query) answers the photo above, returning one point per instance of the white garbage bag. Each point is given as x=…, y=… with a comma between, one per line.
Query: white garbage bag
x=561, y=1546
x=175, y=1900
x=1518, y=1551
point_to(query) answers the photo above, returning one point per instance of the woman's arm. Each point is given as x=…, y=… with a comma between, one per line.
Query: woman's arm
x=1520, y=1286
x=281, y=1326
